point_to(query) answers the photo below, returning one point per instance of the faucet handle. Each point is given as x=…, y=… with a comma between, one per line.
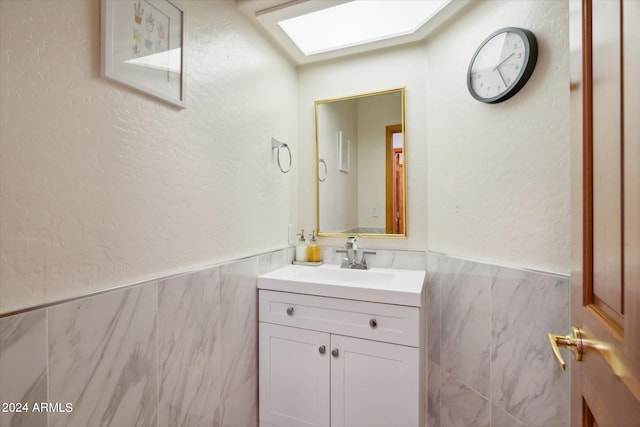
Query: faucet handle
x=363, y=261
x=342, y=251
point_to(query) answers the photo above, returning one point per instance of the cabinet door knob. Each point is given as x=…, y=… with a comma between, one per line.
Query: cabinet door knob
x=373, y=323
x=290, y=311
x=335, y=352
x=322, y=349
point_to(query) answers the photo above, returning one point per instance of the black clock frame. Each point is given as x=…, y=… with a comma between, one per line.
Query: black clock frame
x=531, y=58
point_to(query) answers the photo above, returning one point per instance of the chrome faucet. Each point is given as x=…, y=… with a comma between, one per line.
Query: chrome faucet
x=352, y=252
x=351, y=260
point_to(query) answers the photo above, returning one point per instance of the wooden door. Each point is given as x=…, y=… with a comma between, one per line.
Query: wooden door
x=395, y=208
x=398, y=190
x=294, y=377
x=374, y=384
x=605, y=279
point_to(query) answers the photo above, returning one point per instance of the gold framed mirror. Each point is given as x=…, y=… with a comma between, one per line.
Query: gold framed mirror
x=361, y=165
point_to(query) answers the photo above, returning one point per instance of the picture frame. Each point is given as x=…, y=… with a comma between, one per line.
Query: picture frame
x=142, y=47
x=344, y=152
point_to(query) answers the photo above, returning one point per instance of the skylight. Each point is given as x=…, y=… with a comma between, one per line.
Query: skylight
x=317, y=30
x=358, y=22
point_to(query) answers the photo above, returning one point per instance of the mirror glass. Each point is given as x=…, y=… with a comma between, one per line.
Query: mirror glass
x=360, y=158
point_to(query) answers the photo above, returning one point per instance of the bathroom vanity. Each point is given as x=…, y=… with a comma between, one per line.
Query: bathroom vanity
x=341, y=348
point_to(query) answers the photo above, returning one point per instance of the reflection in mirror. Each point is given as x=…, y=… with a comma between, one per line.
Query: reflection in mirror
x=360, y=171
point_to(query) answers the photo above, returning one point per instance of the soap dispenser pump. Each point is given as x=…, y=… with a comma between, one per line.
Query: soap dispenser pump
x=301, y=248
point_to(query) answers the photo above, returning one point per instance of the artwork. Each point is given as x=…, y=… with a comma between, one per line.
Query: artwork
x=344, y=151
x=143, y=47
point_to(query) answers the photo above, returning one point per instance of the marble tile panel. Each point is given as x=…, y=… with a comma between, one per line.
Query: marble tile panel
x=403, y=260
x=189, y=349
x=239, y=341
x=23, y=367
x=275, y=260
x=526, y=381
x=433, y=396
x=103, y=360
x=499, y=418
x=460, y=406
x=434, y=311
x=466, y=321
x=240, y=406
x=330, y=256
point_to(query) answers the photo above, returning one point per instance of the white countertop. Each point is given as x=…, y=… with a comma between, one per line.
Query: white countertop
x=384, y=285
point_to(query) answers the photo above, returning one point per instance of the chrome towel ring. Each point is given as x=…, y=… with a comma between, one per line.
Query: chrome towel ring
x=326, y=171
x=277, y=145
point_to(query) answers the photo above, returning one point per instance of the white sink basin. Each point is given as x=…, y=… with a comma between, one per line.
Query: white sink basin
x=390, y=286
x=363, y=277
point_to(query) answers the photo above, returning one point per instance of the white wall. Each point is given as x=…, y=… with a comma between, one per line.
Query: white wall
x=489, y=182
x=103, y=186
x=498, y=175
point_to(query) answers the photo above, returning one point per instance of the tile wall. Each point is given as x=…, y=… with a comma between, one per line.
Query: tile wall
x=183, y=350
x=179, y=351
x=489, y=359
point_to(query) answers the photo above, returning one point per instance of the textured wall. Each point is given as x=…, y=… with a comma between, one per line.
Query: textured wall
x=489, y=182
x=103, y=186
x=498, y=175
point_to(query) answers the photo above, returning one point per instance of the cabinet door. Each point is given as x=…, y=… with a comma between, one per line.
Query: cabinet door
x=294, y=376
x=373, y=384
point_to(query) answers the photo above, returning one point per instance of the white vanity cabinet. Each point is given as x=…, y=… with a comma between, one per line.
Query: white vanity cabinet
x=337, y=362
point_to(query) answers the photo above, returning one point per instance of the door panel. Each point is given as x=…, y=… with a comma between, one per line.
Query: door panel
x=607, y=144
x=631, y=175
x=605, y=280
x=374, y=384
x=294, y=377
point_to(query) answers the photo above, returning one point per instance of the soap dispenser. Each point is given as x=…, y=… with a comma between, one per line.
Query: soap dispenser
x=301, y=248
x=313, y=250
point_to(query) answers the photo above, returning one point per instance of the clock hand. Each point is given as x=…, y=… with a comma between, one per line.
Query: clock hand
x=501, y=76
x=505, y=60
x=497, y=68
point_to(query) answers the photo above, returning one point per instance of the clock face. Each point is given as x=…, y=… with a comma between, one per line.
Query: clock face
x=502, y=65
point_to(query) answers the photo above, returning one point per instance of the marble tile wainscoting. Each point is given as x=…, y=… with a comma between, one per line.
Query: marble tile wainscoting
x=489, y=361
x=183, y=350
x=180, y=351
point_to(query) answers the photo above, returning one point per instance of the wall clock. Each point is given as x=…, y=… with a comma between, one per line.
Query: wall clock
x=502, y=64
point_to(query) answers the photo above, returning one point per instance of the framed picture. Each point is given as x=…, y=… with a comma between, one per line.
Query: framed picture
x=344, y=151
x=142, y=45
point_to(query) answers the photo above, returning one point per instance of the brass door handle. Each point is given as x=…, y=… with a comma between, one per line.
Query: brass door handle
x=572, y=342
